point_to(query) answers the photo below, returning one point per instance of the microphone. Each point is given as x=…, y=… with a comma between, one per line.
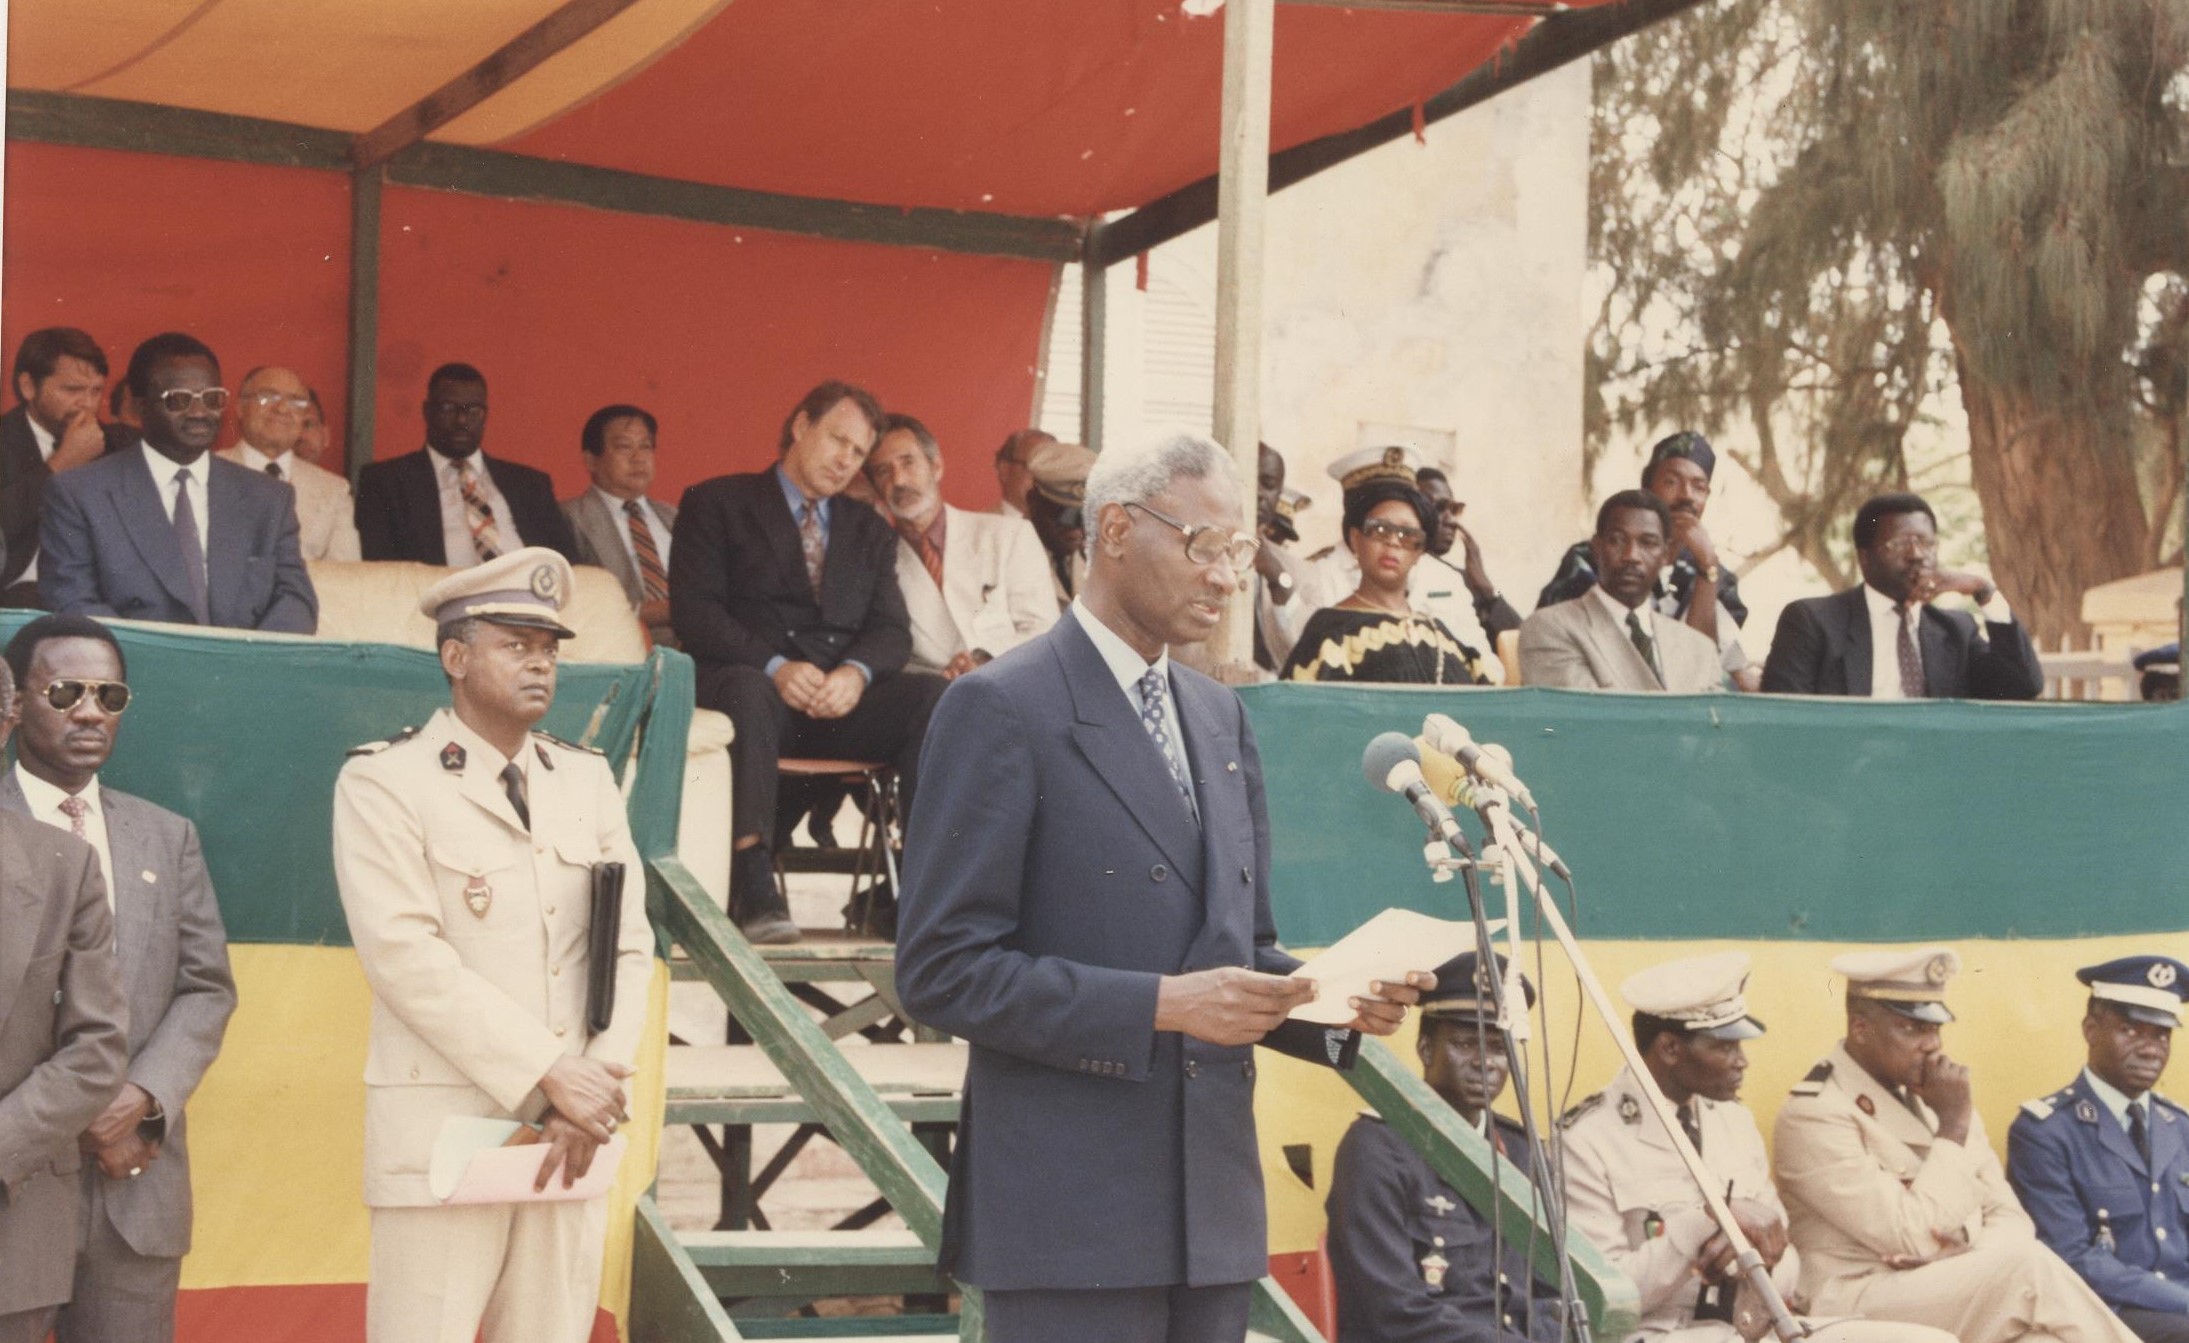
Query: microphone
x=1393, y=763
x=1454, y=786
x=1442, y=734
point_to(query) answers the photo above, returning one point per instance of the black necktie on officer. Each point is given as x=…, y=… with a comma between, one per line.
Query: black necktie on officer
x=513, y=785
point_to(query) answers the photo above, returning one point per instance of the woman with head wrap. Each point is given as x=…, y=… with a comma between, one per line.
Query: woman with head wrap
x=1374, y=634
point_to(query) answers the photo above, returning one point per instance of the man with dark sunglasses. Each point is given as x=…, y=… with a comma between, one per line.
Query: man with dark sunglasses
x=173, y=951
x=167, y=531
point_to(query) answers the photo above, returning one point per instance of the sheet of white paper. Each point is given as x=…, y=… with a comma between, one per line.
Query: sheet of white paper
x=1385, y=948
x=470, y=1165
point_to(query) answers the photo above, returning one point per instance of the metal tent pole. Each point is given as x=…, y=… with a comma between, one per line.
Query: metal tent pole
x=1242, y=196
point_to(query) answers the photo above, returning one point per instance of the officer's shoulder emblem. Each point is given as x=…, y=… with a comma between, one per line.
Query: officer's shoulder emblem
x=1812, y=1083
x=376, y=747
x=1325, y=553
x=1580, y=1107
x=1630, y=1110
x=2037, y=1109
x=2170, y=1103
x=2086, y=1112
x=571, y=745
x=453, y=758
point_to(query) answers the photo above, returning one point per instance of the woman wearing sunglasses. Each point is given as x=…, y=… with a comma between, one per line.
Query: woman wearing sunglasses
x=1375, y=634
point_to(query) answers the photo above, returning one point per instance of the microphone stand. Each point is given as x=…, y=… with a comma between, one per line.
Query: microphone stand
x=1504, y=990
x=1512, y=869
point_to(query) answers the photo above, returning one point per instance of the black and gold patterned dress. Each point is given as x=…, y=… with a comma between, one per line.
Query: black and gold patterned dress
x=1343, y=643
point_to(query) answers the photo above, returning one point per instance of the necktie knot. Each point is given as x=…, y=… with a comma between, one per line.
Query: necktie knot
x=513, y=786
x=75, y=809
x=274, y=469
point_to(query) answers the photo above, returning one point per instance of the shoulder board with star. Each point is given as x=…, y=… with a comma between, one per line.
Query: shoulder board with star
x=588, y=750
x=1580, y=1107
x=376, y=747
x=2041, y=1108
x=1812, y=1083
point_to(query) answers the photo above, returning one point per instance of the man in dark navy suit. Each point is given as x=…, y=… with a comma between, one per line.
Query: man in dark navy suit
x=2102, y=1165
x=785, y=593
x=1884, y=639
x=60, y=376
x=449, y=503
x=1087, y=903
x=164, y=530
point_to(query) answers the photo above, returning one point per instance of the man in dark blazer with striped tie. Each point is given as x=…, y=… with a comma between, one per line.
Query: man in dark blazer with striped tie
x=1087, y=904
x=785, y=593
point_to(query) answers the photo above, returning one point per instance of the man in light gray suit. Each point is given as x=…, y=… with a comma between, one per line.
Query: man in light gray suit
x=1611, y=636
x=174, y=971
x=63, y=1046
x=617, y=527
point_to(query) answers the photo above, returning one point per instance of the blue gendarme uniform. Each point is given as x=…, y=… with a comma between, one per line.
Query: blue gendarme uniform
x=2123, y=1226
x=1411, y=1258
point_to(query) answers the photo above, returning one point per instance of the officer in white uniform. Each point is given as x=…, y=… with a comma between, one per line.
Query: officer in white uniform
x=1632, y=1196
x=1893, y=1193
x=465, y=854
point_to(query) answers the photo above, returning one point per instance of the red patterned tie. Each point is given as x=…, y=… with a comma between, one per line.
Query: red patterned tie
x=486, y=537
x=652, y=576
x=74, y=808
x=930, y=553
x=809, y=541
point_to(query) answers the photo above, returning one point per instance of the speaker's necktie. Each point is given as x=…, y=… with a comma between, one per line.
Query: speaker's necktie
x=1152, y=691
x=653, y=579
x=192, y=544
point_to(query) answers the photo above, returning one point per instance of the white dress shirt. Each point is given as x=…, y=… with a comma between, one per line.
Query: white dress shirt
x=284, y=465
x=1126, y=664
x=2117, y=1100
x=455, y=525
x=46, y=444
x=165, y=472
x=1885, y=637
x=654, y=524
x=45, y=805
x=1646, y=613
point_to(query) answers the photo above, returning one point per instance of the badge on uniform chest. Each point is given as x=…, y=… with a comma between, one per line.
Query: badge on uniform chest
x=478, y=896
x=1433, y=1267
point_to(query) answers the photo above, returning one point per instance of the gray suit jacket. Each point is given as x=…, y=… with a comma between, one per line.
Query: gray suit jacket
x=1577, y=645
x=174, y=968
x=110, y=549
x=599, y=543
x=1052, y=877
x=63, y=1046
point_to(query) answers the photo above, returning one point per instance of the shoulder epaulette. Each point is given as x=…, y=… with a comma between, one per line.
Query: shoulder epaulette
x=1812, y=1083
x=1325, y=553
x=1580, y=1107
x=589, y=750
x=2170, y=1103
x=2037, y=1109
x=376, y=747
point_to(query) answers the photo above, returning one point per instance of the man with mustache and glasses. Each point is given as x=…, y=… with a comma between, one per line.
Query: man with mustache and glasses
x=1884, y=639
x=1612, y=636
x=167, y=531
x=975, y=584
x=173, y=953
x=1410, y=1257
x=1692, y=587
x=2102, y=1165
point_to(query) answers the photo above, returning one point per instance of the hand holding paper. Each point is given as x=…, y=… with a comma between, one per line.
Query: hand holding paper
x=1385, y=949
x=474, y=1162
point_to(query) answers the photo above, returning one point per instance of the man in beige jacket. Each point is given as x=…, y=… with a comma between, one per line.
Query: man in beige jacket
x=1895, y=1198
x=465, y=854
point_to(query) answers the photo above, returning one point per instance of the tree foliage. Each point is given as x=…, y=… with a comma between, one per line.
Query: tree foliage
x=1816, y=216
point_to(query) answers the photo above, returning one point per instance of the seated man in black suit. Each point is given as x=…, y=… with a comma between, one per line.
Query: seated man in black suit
x=449, y=503
x=60, y=376
x=1884, y=640
x=786, y=595
x=164, y=530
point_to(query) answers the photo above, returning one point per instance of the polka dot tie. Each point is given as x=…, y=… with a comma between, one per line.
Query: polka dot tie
x=74, y=809
x=1151, y=717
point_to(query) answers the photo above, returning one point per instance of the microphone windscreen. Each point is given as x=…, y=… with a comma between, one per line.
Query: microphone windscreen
x=1384, y=754
x=1446, y=734
x=1446, y=777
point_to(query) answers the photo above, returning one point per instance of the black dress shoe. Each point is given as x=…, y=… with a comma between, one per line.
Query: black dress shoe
x=771, y=930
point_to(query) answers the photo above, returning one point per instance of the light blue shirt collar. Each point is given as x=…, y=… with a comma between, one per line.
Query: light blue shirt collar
x=796, y=498
x=2116, y=1100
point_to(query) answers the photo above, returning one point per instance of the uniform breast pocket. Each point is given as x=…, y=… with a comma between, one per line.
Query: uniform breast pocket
x=1646, y=1206
x=477, y=884
x=1449, y=1239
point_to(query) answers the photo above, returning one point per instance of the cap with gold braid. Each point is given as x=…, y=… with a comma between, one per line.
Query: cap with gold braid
x=1701, y=995
x=1464, y=988
x=1910, y=982
x=525, y=588
x=1356, y=469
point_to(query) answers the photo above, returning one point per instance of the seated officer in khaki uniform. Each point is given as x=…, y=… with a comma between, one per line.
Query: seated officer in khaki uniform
x=1895, y=1198
x=1631, y=1194
x=464, y=852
